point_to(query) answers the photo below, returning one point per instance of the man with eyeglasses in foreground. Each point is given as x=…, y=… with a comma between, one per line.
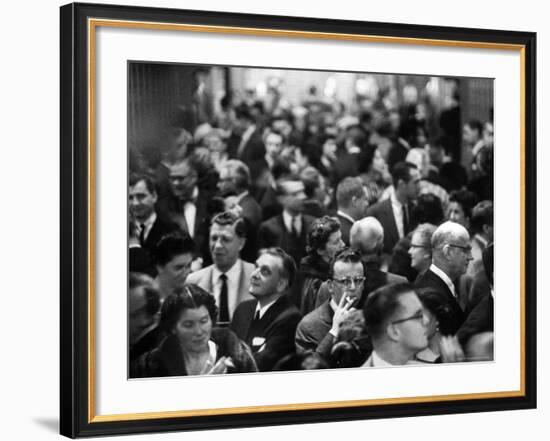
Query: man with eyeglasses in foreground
x=396, y=323
x=451, y=255
x=318, y=330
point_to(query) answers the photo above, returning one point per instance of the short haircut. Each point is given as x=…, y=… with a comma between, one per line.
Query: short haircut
x=402, y=172
x=466, y=199
x=242, y=111
x=152, y=297
x=320, y=232
x=172, y=245
x=347, y=255
x=150, y=184
x=230, y=218
x=428, y=209
x=239, y=172
x=367, y=235
x=425, y=232
x=192, y=161
x=356, y=135
x=381, y=304
x=482, y=214
x=189, y=296
x=433, y=301
x=445, y=232
x=347, y=189
x=310, y=176
x=288, y=264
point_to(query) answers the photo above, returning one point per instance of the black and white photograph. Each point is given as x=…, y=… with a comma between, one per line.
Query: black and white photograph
x=289, y=219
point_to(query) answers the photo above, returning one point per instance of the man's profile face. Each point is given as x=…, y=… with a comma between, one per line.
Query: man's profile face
x=141, y=200
x=347, y=279
x=460, y=254
x=413, y=186
x=469, y=135
x=139, y=318
x=265, y=278
x=411, y=322
x=226, y=183
x=183, y=179
x=225, y=245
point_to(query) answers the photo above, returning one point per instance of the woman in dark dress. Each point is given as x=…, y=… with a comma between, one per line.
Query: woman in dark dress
x=193, y=346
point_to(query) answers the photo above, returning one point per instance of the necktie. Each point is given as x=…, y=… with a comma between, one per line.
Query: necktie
x=142, y=234
x=405, y=220
x=224, y=309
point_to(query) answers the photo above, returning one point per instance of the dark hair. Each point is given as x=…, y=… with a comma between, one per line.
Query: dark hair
x=172, y=245
x=488, y=262
x=347, y=255
x=149, y=182
x=152, y=297
x=482, y=214
x=366, y=157
x=466, y=199
x=433, y=302
x=190, y=296
x=357, y=135
x=381, y=304
x=475, y=124
x=310, y=177
x=320, y=231
x=428, y=209
x=347, y=189
x=242, y=111
x=230, y=218
x=402, y=172
x=288, y=264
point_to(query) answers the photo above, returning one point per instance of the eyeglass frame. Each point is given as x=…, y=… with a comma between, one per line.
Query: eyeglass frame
x=417, y=316
x=467, y=249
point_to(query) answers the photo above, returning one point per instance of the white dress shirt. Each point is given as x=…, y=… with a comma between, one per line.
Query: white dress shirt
x=263, y=309
x=147, y=225
x=397, y=208
x=441, y=274
x=190, y=213
x=233, y=278
x=288, y=219
x=345, y=216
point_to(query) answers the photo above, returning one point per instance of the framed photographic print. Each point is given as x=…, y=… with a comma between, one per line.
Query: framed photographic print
x=309, y=205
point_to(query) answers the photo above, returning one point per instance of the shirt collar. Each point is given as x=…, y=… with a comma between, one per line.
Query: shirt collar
x=379, y=362
x=443, y=276
x=481, y=239
x=148, y=222
x=248, y=132
x=264, y=309
x=287, y=217
x=345, y=216
x=394, y=201
x=241, y=196
x=231, y=274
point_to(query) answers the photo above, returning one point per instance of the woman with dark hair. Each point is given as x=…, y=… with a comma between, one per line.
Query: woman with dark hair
x=373, y=172
x=441, y=324
x=460, y=207
x=193, y=345
x=323, y=242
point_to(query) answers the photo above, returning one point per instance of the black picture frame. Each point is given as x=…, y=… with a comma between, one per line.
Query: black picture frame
x=77, y=419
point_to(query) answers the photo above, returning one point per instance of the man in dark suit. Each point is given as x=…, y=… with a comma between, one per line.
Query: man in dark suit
x=289, y=229
x=250, y=146
x=149, y=228
x=395, y=213
x=451, y=255
x=352, y=204
x=367, y=237
x=234, y=186
x=187, y=206
x=268, y=323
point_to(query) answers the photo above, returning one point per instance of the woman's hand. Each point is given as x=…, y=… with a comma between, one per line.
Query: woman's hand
x=450, y=350
x=221, y=366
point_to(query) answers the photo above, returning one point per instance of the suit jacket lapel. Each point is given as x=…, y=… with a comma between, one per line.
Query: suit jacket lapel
x=392, y=230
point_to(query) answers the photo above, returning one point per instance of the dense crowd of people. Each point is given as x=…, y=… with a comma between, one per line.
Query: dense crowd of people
x=309, y=237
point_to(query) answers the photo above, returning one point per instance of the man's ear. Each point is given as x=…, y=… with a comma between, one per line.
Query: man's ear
x=242, y=241
x=282, y=284
x=392, y=332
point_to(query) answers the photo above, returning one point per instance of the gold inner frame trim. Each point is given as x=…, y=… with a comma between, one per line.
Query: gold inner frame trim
x=260, y=32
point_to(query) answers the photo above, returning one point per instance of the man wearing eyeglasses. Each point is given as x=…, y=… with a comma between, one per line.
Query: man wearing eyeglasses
x=451, y=255
x=396, y=323
x=319, y=330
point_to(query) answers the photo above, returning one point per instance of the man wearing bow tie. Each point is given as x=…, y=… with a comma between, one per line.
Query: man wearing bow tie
x=187, y=206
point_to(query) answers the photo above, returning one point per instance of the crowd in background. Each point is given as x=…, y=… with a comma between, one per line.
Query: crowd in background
x=306, y=237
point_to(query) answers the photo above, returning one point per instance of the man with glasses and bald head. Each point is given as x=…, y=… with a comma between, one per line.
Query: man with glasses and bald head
x=397, y=324
x=451, y=255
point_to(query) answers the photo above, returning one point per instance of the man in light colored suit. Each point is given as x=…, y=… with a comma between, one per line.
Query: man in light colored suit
x=228, y=278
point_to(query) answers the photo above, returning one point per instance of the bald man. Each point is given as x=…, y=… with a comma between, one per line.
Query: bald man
x=367, y=237
x=451, y=255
